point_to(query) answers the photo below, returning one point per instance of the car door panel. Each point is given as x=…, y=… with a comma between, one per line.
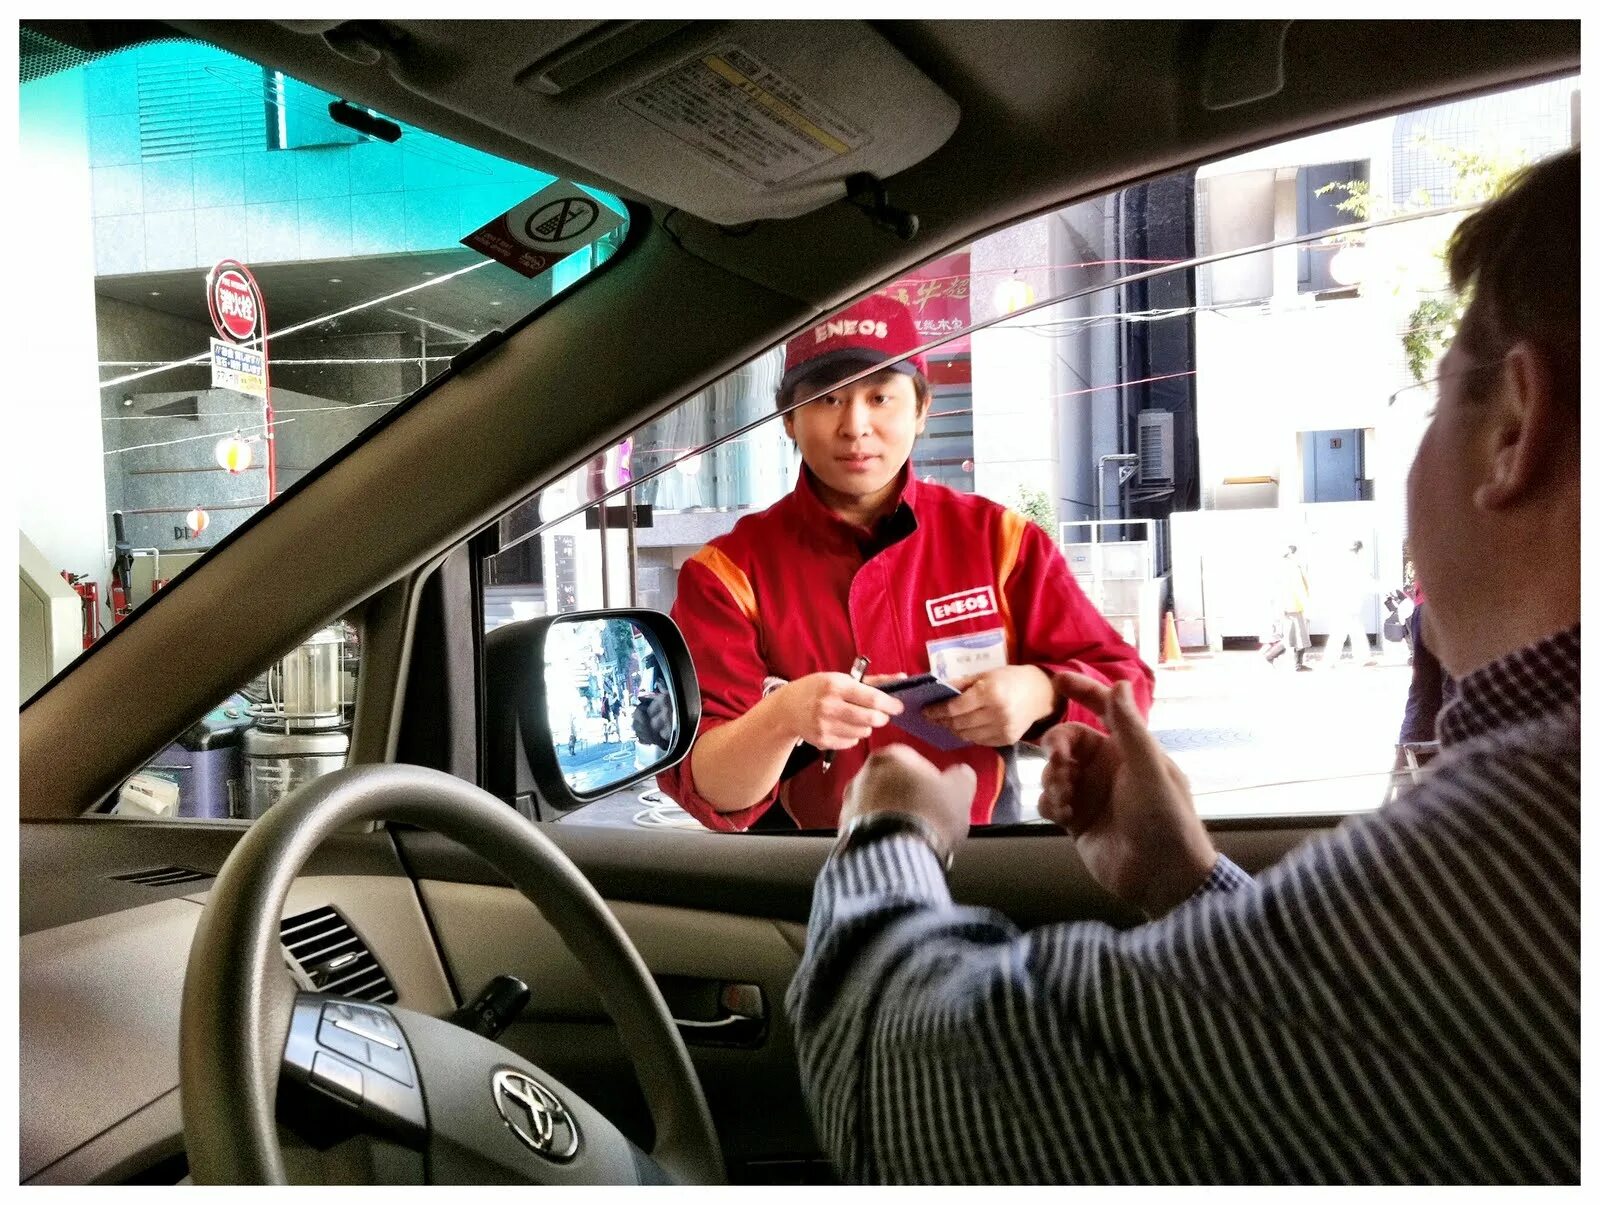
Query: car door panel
x=727, y=910
x=1031, y=873
x=754, y=1093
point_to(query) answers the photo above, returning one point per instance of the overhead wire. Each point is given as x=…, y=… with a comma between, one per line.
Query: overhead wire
x=272, y=336
x=393, y=400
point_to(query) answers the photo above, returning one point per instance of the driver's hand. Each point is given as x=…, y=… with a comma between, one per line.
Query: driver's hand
x=1123, y=799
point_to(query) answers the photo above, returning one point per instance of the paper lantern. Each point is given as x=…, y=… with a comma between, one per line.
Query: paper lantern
x=1013, y=295
x=233, y=453
x=198, y=520
x=1349, y=264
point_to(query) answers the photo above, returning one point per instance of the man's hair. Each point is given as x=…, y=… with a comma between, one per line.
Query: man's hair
x=808, y=385
x=1518, y=256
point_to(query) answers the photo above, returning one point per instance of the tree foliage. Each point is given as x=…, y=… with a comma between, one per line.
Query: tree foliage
x=1434, y=312
x=1035, y=506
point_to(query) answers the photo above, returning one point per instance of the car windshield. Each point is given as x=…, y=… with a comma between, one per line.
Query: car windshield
x=257, y=272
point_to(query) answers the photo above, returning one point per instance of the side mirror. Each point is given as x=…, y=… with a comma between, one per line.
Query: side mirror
x=586, y=703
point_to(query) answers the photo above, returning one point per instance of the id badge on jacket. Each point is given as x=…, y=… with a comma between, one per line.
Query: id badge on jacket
x=964, y=656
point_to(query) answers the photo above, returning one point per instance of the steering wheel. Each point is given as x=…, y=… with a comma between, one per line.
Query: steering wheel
x=453, y=1106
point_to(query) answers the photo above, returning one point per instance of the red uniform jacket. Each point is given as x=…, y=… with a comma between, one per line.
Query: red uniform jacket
x=796, y=590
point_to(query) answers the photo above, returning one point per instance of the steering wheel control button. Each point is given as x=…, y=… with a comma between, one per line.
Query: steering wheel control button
x=392, y=1063
x=535, y=1115
x=369, y=1033
x=371, y=1023
x=337, y=1076
x=367, y=1038
x=347, y=1044
x=364, y=1065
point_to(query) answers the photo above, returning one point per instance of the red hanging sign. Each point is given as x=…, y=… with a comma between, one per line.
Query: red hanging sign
x=939, y=295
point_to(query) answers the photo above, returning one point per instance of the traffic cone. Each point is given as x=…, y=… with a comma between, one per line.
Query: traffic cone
x=1171, y=653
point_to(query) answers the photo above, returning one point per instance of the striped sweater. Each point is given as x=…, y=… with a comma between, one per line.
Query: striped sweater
x=1395, y=1002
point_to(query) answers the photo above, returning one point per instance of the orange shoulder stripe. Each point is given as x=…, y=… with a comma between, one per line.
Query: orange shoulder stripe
x=732, y=577
x=1012, y=527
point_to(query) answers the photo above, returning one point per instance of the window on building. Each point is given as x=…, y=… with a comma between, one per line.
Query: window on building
x=1319, y=192
x=1173, y=437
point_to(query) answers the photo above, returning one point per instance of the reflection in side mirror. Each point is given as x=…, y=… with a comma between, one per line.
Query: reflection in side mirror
x=583, y=704
x=609, y=702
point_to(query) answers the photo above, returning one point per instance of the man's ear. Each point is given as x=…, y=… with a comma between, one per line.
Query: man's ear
x=788, y=424
x=1525, y=430
x=924, y=406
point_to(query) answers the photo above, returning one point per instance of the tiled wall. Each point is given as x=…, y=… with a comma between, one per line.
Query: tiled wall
x=246, y=200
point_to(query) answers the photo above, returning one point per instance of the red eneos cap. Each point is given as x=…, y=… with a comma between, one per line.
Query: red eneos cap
x=875, y=330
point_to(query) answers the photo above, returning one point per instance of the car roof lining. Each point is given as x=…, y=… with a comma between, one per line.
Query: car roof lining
x=748, y=292
x=1050, y=110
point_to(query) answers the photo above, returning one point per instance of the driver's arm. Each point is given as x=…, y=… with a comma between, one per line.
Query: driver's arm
x=1260, y=1032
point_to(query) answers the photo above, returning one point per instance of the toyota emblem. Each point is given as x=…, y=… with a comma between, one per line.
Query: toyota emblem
x=536, y=1115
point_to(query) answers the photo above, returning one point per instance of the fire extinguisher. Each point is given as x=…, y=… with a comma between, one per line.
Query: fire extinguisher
x=89, y=593
x=122, y=572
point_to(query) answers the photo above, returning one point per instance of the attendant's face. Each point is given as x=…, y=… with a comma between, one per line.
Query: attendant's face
x=858, y=437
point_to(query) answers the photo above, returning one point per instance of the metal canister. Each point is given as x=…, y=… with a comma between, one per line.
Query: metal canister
x=308, y=684
x=275, y=763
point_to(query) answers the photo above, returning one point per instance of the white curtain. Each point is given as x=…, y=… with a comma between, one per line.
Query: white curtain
x=753, y=470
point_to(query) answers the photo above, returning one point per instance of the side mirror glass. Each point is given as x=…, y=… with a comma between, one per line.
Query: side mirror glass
x=583, y=704
x=608, y=702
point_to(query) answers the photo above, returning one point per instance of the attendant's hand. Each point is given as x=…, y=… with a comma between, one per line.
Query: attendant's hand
x=997, y=707
x=1124, y=801
x=654, y=720
x=897, y=778
x=832, y=710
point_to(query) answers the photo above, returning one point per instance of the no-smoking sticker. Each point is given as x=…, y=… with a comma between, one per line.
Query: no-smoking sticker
x=561, y=220
x=547, y=227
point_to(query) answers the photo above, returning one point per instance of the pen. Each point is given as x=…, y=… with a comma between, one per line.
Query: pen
x=857, y=671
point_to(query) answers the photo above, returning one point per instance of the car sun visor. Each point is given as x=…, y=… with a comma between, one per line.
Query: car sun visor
x=731, y=121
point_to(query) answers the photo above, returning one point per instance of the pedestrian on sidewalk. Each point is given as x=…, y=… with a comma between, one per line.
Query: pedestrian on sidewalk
x=1431, y=686
x=1348, y=587
x=1294, y=600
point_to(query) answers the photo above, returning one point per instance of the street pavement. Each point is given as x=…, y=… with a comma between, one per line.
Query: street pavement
x=604, y=754
x=1262, y=740
x=1254, y=739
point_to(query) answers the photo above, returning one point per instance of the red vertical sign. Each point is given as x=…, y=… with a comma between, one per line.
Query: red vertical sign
x=939, y=295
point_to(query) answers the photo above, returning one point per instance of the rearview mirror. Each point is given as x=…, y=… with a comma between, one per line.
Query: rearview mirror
x=584, y=704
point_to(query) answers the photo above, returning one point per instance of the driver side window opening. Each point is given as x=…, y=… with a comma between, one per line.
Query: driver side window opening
x=1172, y=435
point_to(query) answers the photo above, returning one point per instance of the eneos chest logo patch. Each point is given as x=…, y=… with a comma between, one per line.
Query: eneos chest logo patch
x=968, y=604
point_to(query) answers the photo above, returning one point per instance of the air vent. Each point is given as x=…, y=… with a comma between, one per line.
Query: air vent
x=164, y=876
x=1155, y=447
x=333, y=957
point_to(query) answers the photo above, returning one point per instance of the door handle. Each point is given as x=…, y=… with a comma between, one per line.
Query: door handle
x=712, y=1013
